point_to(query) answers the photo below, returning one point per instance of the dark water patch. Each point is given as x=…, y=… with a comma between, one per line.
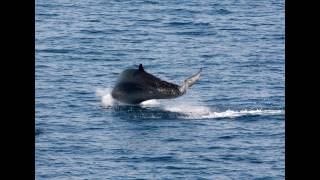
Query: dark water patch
x=79, y=92
x=196, y=33
x=231, y=29
x=260, y=24
x=214, y=147
x=278, y=37
x=188, y=24
x=256, y=117
x=181, y=11
x=85, y=39
x=161, y=159
x=175, y=168
x=227, y=137
x=146, y=21
x=92, y=20
x=154, y=2
x=209, y=56
x=179, y=23
x=84, y=52
x=102, y=75
x=135, y=50
x=38, y=132
x=92, y=31
x=46, y=15
x=202, y=24
x=102, y=32
x=174, y=140
x=42, y=66
x=266, y=178
x=208, y=160
x=190, y=168
x=222, y=12
x=55, y=51
x=232, y=157
x=147, y=159
x=93, y=128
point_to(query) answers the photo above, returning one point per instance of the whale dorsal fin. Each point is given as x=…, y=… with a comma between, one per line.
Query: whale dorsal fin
x=141, y=67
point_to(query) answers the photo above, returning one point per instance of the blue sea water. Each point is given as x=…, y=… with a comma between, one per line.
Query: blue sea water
x=229, y=125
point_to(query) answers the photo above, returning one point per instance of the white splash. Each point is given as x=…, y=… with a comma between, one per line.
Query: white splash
x=106, y=98
x=150, y=103
x=108, y=101
x=189, y=111
x=202, y=112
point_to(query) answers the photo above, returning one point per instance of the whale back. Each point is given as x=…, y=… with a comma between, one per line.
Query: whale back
x=135, y=86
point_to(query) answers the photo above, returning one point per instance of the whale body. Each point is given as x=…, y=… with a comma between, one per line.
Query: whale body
x=136, y=85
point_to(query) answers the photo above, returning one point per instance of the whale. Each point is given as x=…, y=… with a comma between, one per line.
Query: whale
x=136, y=85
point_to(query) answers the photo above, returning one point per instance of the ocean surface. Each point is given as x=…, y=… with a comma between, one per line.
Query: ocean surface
x=229, y=125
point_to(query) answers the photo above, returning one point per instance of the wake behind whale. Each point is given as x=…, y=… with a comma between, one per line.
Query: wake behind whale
x=187, y=110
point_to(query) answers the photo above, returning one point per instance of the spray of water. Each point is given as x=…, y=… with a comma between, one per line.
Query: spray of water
x=106, y=98
x=190, y=111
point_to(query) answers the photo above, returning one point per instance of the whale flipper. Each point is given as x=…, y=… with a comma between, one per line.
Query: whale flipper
x=189, y=82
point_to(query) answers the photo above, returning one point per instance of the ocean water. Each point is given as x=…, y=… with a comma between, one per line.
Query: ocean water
x=229, y=125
